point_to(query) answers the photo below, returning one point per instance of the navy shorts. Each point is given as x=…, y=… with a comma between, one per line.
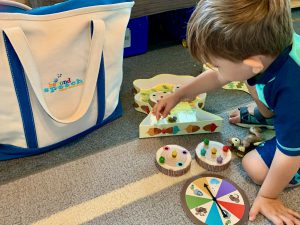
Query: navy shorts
x=267, y=152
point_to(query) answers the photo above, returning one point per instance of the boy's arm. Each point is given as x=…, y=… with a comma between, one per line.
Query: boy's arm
x=281, y=172
x=207, y=81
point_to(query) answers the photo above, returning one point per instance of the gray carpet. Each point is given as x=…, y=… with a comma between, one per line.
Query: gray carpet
x=35, y=188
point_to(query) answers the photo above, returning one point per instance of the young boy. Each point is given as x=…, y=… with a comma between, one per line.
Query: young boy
x=253, y=40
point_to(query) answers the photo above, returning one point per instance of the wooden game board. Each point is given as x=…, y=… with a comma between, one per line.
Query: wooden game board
x=213, y=156
x=211, y=199
x=186, y=118
x=193, y=121
x=148, y=91
x=173, y=160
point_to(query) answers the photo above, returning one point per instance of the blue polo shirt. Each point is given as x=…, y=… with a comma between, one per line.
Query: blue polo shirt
x=279, y=89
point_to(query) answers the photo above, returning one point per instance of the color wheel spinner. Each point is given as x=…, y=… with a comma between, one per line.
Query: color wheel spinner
x=211, y=199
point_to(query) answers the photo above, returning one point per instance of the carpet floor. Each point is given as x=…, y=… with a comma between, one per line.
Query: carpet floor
x=109, y=177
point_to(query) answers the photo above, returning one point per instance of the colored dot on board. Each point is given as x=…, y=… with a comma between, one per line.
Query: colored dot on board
x=203, y=152
x=162, y=159
x=180, y=164
x=166, y=148
x=206, y=141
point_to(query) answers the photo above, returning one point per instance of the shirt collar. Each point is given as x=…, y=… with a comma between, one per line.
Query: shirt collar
x=270, y=72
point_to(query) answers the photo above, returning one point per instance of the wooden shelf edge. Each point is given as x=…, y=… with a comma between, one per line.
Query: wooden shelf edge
x=295, y=3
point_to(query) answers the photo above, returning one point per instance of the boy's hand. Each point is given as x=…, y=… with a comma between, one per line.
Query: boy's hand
x=164, y=106
x=274, y=210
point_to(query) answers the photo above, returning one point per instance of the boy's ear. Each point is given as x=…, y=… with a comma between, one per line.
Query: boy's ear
x=254, y=62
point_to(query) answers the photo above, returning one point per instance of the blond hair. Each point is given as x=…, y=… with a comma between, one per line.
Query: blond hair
x=238, y=29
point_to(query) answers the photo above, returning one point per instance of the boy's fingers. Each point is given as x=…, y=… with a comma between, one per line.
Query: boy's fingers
x=276, y=220
x=295, y=214
x=166, y=111
x=286, y=220
x=159, y=110
x=154, y=109
x=292, y=215
x=157, y=116
x=253, y=213
x=295, y=221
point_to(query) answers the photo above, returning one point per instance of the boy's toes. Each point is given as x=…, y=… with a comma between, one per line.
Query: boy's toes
x=234, y=119
x=234, y=113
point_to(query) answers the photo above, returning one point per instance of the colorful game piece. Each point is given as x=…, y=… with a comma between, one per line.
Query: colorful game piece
x=177, y=160
x=206, y=142
x=162, y=159
x=174, y=154
x=215, y=158
x=226, y=148
x=213, y=152
x=211, y=199
x=220, y=159
x=172, y=119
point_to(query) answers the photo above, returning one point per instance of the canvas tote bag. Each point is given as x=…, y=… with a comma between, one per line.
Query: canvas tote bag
x=60, y=72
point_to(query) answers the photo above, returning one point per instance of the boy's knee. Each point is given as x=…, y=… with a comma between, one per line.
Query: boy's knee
x=255, y=170
x=247, y=162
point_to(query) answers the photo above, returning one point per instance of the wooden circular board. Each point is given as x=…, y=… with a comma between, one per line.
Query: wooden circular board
x=176, y=160
x=211, y=199
x=209, y=161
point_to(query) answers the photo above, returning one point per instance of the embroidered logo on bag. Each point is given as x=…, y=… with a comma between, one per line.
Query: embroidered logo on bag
x=59, y=84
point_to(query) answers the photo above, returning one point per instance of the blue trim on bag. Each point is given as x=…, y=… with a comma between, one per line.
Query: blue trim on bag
x=12, y=152
x=62, y=7
x=100, y=85
x=11, y=9
x=22, y=93
x=101, y=91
